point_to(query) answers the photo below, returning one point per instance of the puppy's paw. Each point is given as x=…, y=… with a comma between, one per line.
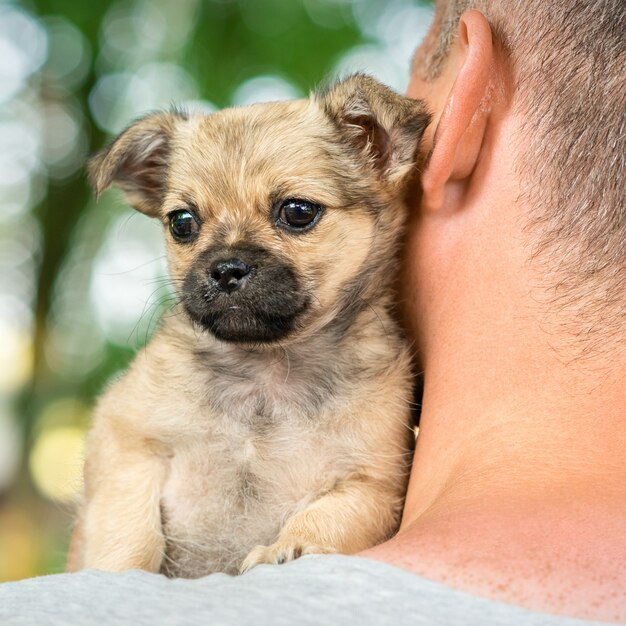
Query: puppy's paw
x=281, y=552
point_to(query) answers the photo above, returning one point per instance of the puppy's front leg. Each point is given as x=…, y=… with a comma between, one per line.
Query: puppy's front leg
x=121, y=521
x=357, y=514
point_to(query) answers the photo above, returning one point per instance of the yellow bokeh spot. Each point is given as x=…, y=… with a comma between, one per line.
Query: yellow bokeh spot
x=56, y=462
x=16, y=358
x=69, y=412
x=20, y=544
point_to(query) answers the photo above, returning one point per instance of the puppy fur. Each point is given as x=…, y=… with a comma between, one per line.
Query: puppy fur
x=279, y=425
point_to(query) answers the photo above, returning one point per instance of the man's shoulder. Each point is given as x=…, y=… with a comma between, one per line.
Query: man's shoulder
x=329, y=589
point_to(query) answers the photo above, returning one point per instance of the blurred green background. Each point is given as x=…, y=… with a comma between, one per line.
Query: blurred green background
x=82, y=286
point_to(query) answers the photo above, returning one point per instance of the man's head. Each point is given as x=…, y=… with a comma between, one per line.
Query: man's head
x=530, y=144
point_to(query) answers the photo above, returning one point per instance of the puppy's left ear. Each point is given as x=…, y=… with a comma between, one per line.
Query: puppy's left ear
x=137, y=161
x=380, y=125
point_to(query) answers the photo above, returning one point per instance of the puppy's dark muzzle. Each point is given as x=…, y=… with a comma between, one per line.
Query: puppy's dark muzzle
x=230, y=275
x=244, y=293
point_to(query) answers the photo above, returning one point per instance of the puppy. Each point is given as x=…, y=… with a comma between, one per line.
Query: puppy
x=270, y=417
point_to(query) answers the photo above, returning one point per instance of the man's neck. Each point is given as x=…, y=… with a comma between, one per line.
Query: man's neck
x=498, y=427
x=519, y=475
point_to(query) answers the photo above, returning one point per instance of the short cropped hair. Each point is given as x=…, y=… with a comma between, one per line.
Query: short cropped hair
x=568, y=59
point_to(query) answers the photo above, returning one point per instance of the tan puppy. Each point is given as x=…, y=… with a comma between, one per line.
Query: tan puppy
x=270, y=418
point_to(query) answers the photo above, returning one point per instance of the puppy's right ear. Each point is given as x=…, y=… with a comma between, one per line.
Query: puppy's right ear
x=380, y=125
x=137, y=161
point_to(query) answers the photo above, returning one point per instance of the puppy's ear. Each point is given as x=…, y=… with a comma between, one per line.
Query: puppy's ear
x=137, y=162
x=381, y=125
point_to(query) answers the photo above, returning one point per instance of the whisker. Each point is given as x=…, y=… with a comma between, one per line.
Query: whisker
x=133, y=269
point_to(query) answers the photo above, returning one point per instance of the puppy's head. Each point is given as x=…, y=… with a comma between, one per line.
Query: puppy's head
x=280, y=218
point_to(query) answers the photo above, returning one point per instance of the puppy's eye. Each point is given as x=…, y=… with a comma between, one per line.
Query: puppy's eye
x=298, y=214
x=183, y=225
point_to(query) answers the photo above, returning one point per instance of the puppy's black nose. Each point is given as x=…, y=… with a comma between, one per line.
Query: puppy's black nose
x=229, y=275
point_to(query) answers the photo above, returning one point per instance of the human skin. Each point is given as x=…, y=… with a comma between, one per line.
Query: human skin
x=518, y=486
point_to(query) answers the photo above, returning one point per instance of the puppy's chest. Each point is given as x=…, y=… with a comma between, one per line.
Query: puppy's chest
x=267, y=441
x=230, y=489
x=242, y=466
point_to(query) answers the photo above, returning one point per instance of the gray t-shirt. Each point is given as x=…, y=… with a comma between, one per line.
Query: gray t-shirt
x=315, y=590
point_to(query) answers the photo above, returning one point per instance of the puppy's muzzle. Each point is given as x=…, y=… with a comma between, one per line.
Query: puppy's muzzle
x=244, y=293
x=230, y=275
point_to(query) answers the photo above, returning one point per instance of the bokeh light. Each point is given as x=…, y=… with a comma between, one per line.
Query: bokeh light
x=264, y=89
x=16, y=356
x=69, y=54
x=10, y=447
x=128, y=278
x=23, y=49
x=120, y=97
x=56, y=463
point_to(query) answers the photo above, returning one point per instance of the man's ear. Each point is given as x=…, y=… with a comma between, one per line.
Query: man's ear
x=382, y=126
x=137, y=161
x=461, y=126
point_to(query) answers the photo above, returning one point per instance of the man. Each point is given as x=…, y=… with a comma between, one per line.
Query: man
x=518, y=252
x=515, y=292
